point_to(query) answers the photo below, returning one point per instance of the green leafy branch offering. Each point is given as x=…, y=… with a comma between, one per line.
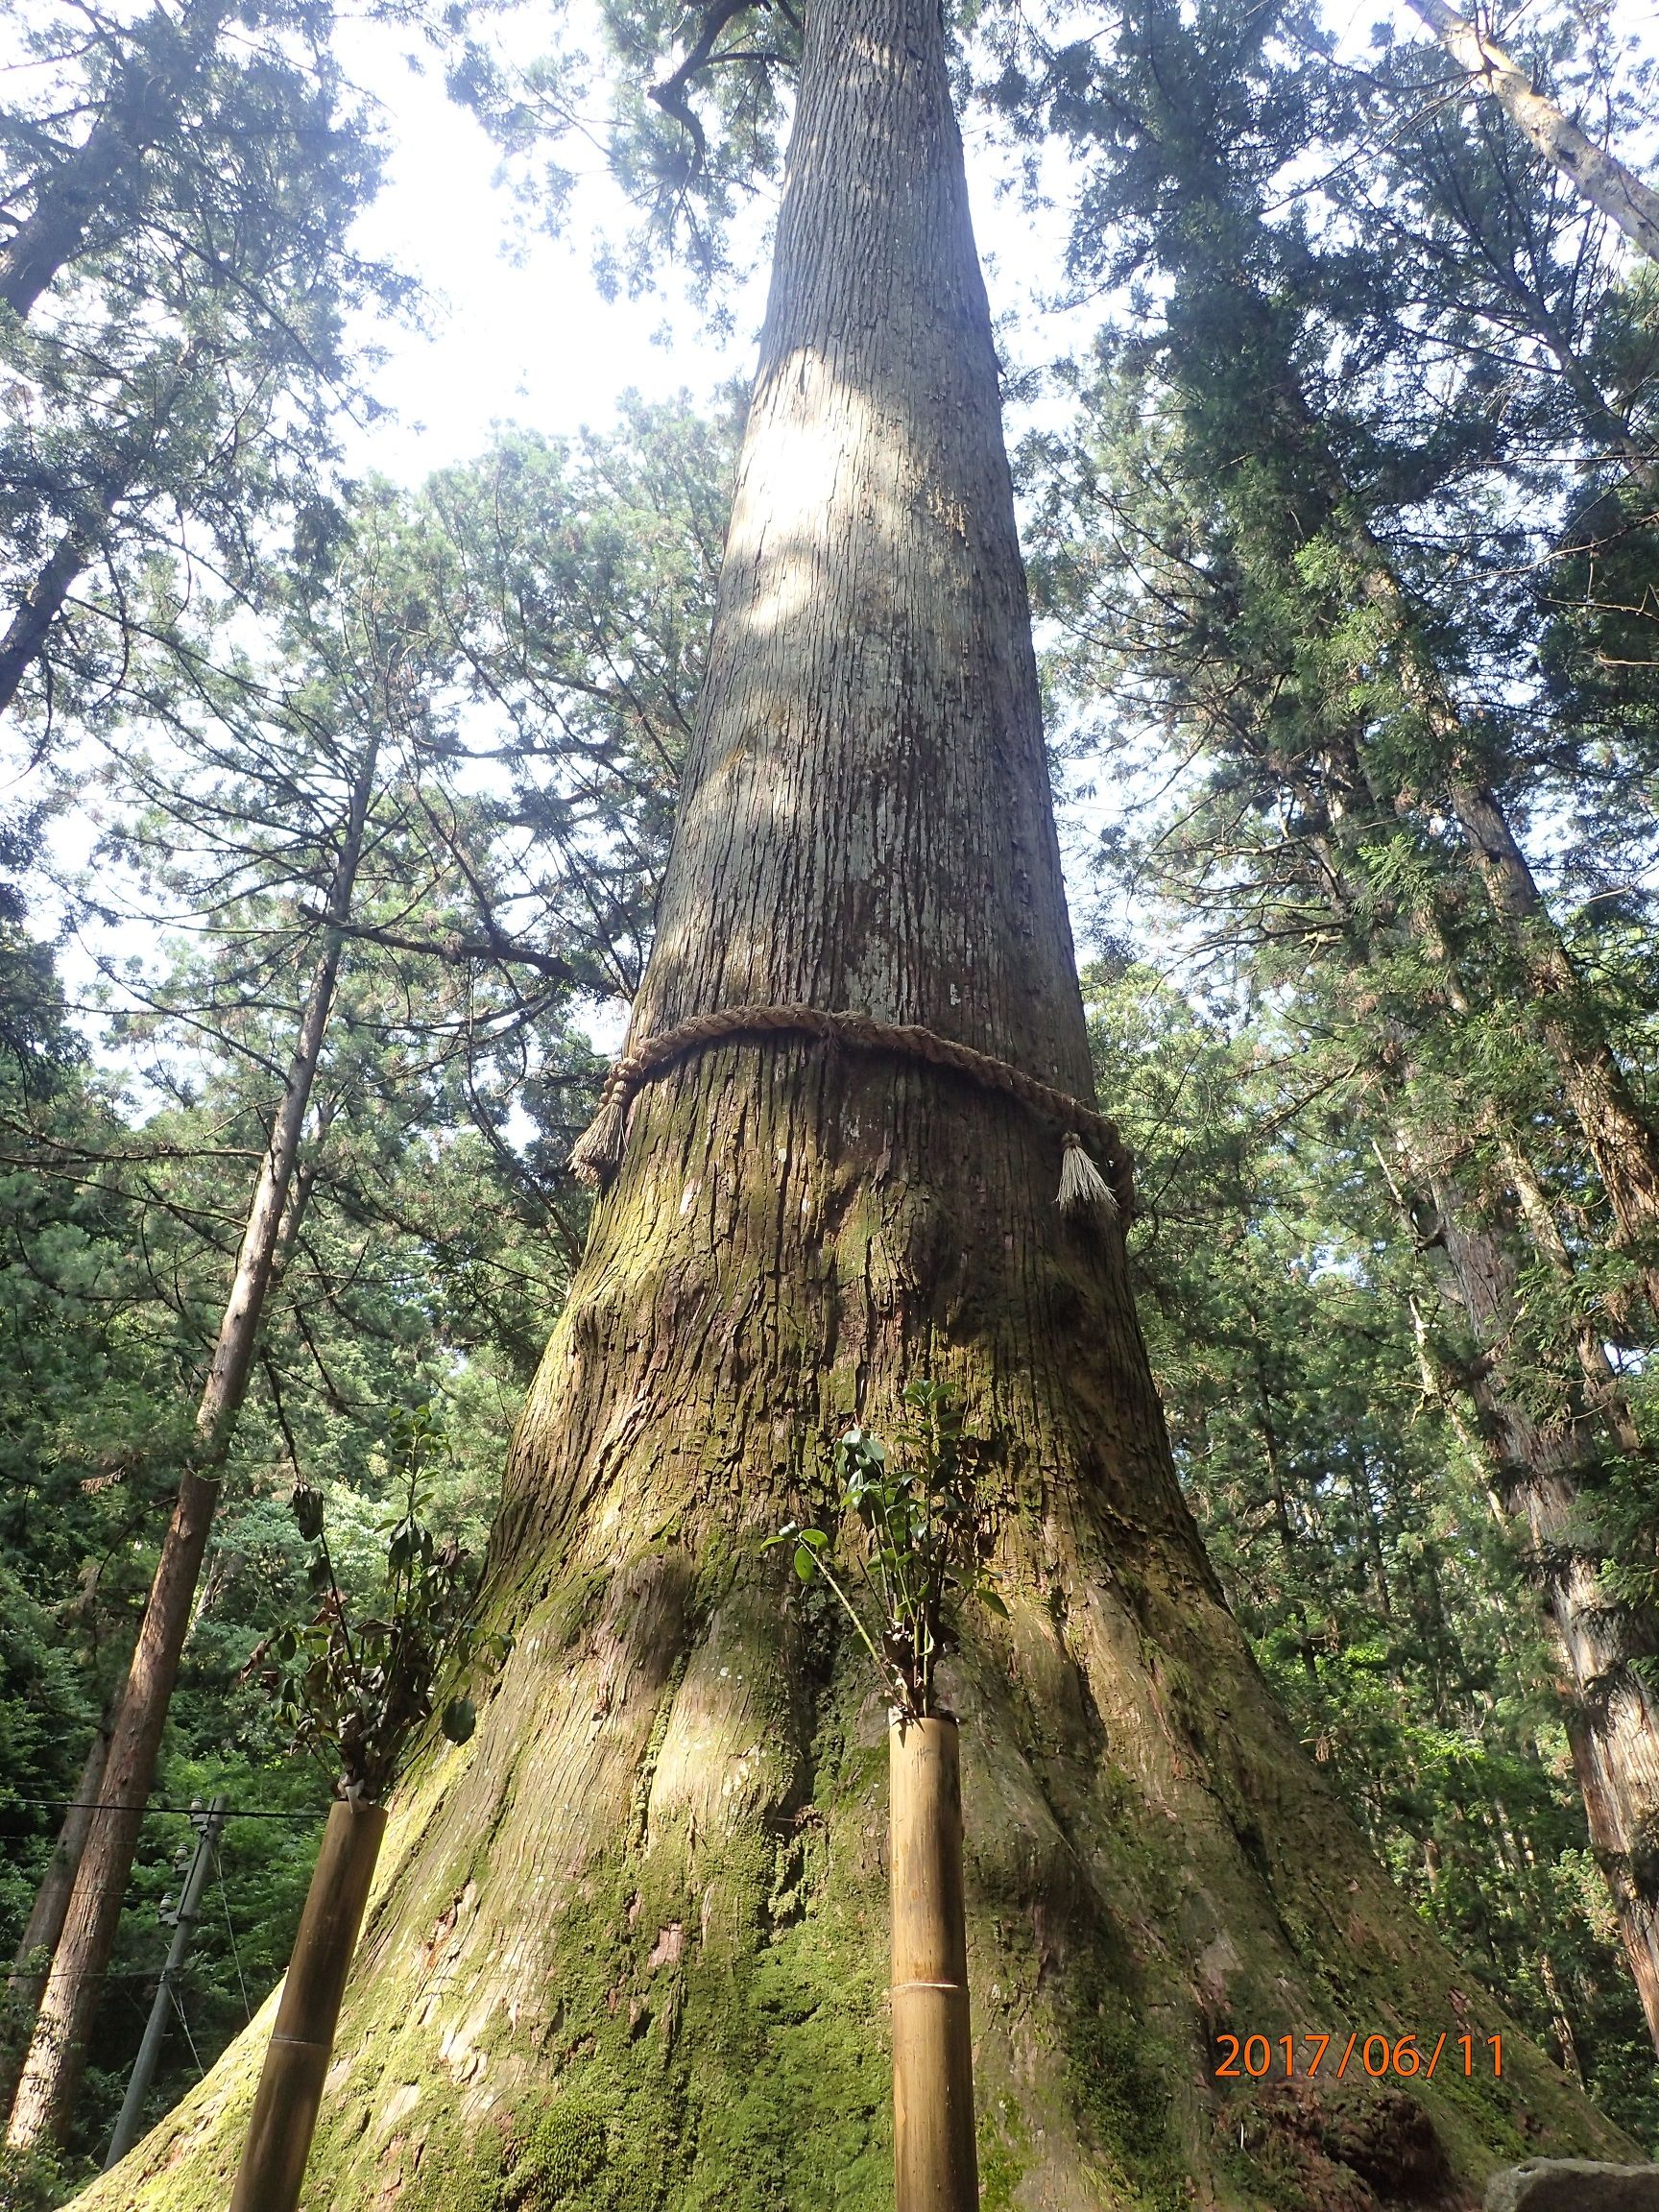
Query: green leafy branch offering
x=357, y=1690
x=927, y=1532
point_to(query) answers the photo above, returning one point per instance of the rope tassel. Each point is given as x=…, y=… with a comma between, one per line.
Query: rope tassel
x=1083, y=1189
x=597, y=1153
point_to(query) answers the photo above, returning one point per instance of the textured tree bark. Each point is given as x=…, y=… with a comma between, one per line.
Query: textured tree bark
x=1601, y=177
x=629, y=1946
x=934, y=2162
x=43, y=2104
x=285, y=2104
x=1612, y=1714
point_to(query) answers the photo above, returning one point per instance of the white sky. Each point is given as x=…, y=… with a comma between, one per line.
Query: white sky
x=520, y=330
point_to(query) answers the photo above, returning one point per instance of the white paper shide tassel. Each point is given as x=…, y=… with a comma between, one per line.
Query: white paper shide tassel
x=1083, y=1189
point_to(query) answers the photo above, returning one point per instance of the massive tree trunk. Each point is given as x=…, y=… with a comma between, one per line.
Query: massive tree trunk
x=43, y=2106
x=630, y=1942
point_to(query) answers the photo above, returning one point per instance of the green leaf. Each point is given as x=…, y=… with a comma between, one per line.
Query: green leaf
x=458, y=1719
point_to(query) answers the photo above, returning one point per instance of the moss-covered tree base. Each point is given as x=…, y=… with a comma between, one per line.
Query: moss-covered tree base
x=687, y=2012
x=628, y=1949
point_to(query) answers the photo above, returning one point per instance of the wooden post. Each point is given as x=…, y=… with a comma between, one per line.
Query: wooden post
x=302, y=2043
x=934, y=2163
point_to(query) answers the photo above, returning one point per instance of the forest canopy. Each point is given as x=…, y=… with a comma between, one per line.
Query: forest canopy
x=341, y=782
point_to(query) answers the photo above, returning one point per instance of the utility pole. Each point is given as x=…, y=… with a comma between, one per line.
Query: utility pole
x=129, y=2127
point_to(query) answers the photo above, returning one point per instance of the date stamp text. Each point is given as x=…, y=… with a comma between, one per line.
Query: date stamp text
x=1301, y=2057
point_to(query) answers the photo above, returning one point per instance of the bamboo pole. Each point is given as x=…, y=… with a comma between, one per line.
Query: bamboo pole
x=297, y=2059
x=934, y=2163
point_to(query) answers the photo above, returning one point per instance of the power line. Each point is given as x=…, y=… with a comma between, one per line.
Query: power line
x=235, y=1950
x=173, y=1991
x=91, y=1805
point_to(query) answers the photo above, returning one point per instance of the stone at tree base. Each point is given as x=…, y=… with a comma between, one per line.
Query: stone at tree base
x=1573, y=2185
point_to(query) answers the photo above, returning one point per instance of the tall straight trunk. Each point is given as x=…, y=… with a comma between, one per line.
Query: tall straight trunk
x=630, y=1946
x=45, y=1922
x=1622, y=1136
x=1619, y=1134
x=1536, y=1471
x=1601, y=177
x=1603, y=1390
x=142, y=105
x=43, y=2106
x=1281, y=1529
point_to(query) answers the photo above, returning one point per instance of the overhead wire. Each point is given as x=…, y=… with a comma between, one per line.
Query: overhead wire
x=229, y=1930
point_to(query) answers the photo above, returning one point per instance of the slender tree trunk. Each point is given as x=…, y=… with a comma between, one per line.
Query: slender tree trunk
x=632, y=1936
x=1563, y=2019
x=1612, y=1713
x=1371, y=1535
x=28, y=629
x=1281, y=1527
x=1622, y=1140
x=44, y=2102
x=1601, y=177
x=1606, y=1395
x=141, y=107
x=45, y=1923
x=1619, y=1135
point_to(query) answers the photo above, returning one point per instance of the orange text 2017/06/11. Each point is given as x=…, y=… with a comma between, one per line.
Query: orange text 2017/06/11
x=1285, y=2057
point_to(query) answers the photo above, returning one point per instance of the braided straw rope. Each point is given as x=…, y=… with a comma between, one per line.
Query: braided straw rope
x=599, y=1152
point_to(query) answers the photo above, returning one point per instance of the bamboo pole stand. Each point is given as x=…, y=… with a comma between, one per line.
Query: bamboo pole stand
x=935, y=2166
x=285, y=2105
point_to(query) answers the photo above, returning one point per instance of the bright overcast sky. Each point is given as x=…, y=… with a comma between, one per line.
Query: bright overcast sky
x=520, y=330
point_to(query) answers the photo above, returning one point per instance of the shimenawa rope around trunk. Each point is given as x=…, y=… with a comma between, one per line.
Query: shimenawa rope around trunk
x=1083, y=1190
